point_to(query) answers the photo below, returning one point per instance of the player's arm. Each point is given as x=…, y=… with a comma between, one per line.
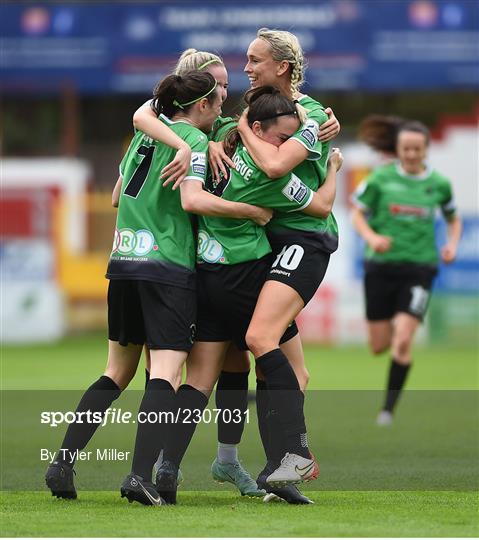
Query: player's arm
x=145, y=120
x=454, y=222
x=454, y=231
x=115, y=196
x=274, y=161
x=196, y=200
x=377, y=242
x=323, y=200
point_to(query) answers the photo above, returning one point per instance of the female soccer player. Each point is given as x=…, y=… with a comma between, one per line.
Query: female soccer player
x=231, y=392
x=151, y=296
x=233, y=261
x=394, y=212
x=302, y=246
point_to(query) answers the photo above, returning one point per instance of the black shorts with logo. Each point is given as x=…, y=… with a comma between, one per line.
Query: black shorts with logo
x=299, y=261
x=227, y=296
x=391, y=288
x=155, y=314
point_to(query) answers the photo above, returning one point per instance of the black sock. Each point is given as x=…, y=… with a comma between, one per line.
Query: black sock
x=286, y=399
x=147, y=377
x=231, y=395
x=159, y=397
x=188, y=399
x=97, y=398
x=397, y=377
x=262, y=411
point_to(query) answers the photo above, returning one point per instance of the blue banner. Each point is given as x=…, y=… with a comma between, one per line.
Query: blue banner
x=372, y=45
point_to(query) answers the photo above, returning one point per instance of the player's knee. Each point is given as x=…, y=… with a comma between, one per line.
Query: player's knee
x=121, y=378
x=378, y=347
x=402, y=347
x=256, y=342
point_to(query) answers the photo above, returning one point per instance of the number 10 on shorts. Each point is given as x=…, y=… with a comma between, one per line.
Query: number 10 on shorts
x=289, y=257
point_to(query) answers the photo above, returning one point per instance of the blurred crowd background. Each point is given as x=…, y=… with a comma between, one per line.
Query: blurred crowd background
x=73, y=73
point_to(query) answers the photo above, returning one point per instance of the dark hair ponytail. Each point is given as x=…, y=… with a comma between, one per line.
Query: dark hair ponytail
x=175, y=92
x=381, y=132
x=265, y=105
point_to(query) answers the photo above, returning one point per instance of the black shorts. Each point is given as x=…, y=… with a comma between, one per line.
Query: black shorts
x=392, y=288
x=157, y=315
x=227, y=296
x=298, y=262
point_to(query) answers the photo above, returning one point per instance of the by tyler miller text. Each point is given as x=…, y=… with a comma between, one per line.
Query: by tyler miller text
x=100, y=454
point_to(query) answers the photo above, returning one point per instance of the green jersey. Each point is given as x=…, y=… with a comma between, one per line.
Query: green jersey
x=312, y=172
x=221, y=127
x=232, y=241
x=403, y=207
x=154, y=237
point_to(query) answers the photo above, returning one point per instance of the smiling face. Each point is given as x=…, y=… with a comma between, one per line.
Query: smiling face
x=411, y=150
x=279, y=132
x=221, y=75
x=261, y=68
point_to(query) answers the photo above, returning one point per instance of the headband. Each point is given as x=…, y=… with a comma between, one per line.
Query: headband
x=183, y=105
x=288, y=113
x=208, y=62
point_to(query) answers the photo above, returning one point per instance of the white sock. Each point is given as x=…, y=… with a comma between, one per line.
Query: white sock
x=227, y=453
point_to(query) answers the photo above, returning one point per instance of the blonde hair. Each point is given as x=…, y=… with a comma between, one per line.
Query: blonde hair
x=285, y=46
x=193, y=60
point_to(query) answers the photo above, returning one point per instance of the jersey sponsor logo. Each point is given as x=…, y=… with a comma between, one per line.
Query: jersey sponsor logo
x=409, y=210
x=198, y=163
x=129, y=242
x=209, y=249
x=309, y=132
x=295, y=190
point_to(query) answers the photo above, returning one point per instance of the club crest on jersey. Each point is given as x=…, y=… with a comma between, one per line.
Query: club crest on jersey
x=129, y=242
x=209, y=249
x=309, y=131
x=198, y=163
x=295, y=190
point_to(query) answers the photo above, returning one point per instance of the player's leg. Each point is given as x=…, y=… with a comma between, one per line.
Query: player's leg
x=226, y=301
x=169, y=313
x=412, y=293
x=278, y=304
x=121, y=367
x=270, y=431
x=202, y=370
x=380, y=335
x=405, y=326
x=231, y=398
x=147, y=365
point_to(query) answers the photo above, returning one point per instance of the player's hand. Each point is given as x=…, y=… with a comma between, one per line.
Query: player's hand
x=217, y=159
x=243, y=121
x=335, y=159
x=448, y=253
x=261, y=216
x=177, y=169
x=380, y=243
x=331, y=128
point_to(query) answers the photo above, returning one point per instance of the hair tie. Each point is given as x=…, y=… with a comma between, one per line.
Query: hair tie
x=207, y=63
x=183, y=105
x=287, y=113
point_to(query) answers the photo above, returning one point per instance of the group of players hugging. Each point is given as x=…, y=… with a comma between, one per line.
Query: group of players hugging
x=224, y=233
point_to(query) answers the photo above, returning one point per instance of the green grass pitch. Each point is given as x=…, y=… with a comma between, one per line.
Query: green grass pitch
x=423, y=493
